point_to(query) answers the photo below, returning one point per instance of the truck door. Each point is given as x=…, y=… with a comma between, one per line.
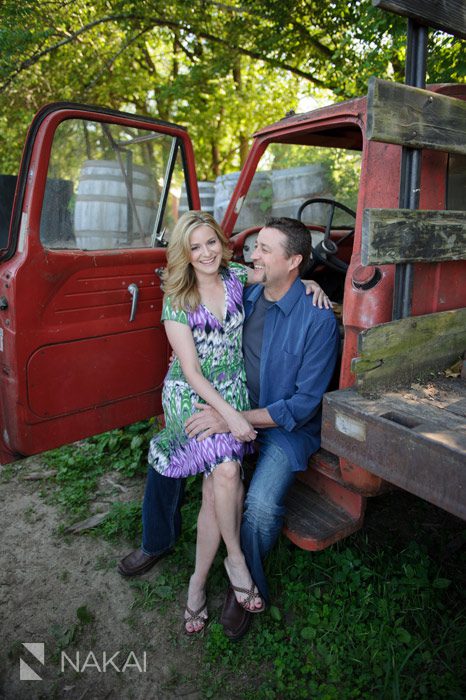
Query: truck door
x=82, y=349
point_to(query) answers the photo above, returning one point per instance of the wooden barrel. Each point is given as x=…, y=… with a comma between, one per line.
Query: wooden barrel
x=256, y=206
x=293, y=186
x=106, y=215
x=206, y=194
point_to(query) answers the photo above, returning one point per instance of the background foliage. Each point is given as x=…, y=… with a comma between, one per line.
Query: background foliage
x=223, y=69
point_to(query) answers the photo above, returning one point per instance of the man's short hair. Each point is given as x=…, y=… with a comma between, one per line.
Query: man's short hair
x=298, y=238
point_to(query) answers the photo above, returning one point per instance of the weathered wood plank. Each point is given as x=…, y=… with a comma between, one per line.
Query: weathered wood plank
x=420, y=448
x=402, y=235
x=399, y=352
x=414, y=117
x=447, y=15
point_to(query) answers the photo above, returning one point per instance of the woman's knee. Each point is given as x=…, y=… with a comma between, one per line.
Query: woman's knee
x=227, y=473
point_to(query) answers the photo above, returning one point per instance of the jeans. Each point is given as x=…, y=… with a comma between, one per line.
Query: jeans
x=161, y=515
x=264, y=509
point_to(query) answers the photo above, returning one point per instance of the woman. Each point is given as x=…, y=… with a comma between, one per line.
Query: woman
x=203, y=315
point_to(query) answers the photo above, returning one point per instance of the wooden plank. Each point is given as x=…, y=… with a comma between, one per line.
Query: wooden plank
x=420, y=448
x=447, y=15
x=415, y=117
x=402, y=235
x=402, y=351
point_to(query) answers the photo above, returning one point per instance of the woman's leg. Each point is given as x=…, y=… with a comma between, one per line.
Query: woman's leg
x=228, y=502
x=207, y=543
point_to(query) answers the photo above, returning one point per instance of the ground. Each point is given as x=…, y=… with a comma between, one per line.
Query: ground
x=46, y=578
x=62, y=589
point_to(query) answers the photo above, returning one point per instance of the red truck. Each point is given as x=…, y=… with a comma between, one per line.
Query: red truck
x=82, y=348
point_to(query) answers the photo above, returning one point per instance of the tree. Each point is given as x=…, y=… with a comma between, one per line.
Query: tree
x=221, y=68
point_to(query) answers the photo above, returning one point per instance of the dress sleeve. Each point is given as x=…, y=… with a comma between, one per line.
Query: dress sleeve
x=171, y=314
x=240, y=271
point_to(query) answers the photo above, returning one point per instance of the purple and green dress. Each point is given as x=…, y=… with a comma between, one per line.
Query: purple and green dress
x=219, y=348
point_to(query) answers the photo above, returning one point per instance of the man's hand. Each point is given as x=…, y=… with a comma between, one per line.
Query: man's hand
x=205, y=423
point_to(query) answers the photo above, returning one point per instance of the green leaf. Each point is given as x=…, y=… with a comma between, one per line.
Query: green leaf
x=441, y=583
x=308, y=633
x=275, y=613
x=84, y=615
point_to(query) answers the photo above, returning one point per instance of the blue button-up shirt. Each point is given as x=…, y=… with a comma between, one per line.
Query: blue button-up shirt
x=299, y=351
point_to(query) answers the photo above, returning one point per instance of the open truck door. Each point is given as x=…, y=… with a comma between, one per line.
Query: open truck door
x=82, y=348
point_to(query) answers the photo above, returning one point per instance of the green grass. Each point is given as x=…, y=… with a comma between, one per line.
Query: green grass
x=378, y=615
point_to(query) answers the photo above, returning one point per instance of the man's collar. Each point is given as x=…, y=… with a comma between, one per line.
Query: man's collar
x=288, y=300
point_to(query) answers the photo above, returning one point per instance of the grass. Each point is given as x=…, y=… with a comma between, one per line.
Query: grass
x=378, y=615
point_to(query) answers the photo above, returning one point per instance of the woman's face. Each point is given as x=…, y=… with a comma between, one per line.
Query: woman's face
x=205, y=250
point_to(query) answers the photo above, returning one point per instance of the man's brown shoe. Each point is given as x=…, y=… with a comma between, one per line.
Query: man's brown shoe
x=137, y=563
x=235, y=619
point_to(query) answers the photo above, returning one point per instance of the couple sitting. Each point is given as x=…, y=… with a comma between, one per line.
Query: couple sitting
x=253, y=355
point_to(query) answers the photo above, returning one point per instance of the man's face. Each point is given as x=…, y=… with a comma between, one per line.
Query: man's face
x=271, y=267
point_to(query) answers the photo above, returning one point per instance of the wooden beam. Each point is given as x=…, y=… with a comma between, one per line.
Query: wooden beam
x=402, y=235
x=415, y=117
x=447, y=15
x=399, y=352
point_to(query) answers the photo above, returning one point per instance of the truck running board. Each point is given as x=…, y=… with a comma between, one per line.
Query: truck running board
x=320, y=514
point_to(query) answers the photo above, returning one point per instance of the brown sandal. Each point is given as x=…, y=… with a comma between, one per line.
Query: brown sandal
x=195, y=616
x=251, y=593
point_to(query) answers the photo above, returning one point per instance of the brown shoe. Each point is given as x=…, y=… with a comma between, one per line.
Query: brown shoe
x=137, y=563
x=234, y=618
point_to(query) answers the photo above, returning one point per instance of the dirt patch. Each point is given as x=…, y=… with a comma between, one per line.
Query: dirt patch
x=64, y=592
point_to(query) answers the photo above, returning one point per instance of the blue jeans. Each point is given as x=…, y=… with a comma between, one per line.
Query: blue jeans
x=264, y=508
x=161, y=514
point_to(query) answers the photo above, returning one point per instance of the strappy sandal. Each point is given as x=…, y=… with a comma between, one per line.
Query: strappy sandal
x=251, y=593
x=195, y=616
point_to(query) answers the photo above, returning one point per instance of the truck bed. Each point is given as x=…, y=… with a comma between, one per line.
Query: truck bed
x=414, y=438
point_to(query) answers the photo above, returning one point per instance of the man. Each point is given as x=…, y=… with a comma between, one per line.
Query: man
x=290, y=350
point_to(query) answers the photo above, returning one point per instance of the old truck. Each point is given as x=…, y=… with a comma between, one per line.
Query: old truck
x=82, y=348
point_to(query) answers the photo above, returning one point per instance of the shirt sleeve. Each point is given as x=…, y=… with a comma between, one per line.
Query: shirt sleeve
x=312, y=377
x=169, y=313
x=240, y=271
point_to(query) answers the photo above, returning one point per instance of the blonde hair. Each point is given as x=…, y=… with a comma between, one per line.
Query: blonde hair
x=179, y=279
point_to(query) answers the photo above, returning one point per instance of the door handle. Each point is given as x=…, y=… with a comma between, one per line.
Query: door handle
x=134, y=291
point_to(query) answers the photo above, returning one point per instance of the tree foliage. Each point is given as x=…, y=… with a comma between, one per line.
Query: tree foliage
x=221, y=68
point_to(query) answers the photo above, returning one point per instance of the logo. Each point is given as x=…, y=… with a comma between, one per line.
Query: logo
x=102, y=663
x=37, y=649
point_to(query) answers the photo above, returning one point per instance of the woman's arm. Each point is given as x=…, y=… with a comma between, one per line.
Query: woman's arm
x=181, y=339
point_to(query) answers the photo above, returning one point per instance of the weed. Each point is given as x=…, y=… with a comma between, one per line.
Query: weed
x=65, y=637
x=7, y=472
x=79, y=466
x=123, y=520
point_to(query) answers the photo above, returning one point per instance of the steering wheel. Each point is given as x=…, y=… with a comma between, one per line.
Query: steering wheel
x=326, y=251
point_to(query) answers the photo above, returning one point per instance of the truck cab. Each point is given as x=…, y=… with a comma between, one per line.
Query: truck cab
x=82, y=348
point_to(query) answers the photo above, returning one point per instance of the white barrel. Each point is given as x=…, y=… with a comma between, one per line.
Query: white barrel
x=206, y=194
x=257, y=204
x=293, y=186
x=103, y=206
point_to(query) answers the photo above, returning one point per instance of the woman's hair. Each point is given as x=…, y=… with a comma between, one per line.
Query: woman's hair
x=179, y=279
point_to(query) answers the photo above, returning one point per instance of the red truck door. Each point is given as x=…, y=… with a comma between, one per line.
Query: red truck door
x=82, y=349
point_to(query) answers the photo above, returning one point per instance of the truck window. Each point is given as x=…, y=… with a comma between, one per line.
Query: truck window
x=109, y=187
x=287, y=176
x=456, y=182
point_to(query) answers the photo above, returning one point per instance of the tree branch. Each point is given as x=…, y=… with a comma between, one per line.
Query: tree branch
x=159, y=22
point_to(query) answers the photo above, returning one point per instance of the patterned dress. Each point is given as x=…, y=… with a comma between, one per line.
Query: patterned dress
x=219, y=350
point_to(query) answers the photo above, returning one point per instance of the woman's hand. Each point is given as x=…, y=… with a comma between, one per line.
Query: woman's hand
x=240, y=428
x=320, y=298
